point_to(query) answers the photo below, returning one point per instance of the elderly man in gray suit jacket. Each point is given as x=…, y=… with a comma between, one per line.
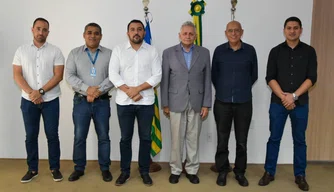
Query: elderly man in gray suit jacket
x=186, y=99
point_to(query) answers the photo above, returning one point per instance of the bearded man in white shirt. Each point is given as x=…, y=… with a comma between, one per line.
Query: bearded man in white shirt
x=38, y=68
x=135, y=69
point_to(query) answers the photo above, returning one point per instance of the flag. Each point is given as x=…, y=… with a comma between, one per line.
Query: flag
x=156, y=144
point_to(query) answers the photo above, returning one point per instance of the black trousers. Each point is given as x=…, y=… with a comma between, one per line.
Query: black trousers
x=224, y=114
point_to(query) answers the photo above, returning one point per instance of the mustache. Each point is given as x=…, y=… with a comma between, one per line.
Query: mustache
x=136, y=36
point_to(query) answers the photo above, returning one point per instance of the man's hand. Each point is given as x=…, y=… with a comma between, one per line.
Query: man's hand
x=90, y=98
x=291, y=107
x=166, y=112
x=132, y=92
x=93, y=91
x=38, y=101
x=287, y=99
x=34, y=95
x=204, y=112
x=137, y=98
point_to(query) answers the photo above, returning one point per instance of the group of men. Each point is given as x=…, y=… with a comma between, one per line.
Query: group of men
x=185, y=74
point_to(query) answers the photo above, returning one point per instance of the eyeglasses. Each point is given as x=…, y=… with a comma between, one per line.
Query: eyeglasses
x=234, y=30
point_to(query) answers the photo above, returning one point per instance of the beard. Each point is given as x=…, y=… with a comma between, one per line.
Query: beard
x=139, y=40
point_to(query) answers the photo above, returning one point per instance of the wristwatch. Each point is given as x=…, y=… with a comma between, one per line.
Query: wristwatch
x=41, y=91
x=295, y=97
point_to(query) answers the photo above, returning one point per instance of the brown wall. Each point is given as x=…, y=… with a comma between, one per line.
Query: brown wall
x=320, y=133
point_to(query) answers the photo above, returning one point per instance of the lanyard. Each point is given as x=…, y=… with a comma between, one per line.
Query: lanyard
x=90, y=57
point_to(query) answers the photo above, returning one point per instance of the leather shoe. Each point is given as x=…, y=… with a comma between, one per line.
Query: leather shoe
x=266, y=179
x=301, y=181
x=106, y=175
x=221, y=179
x=193, y=178
x=76, y=175
x=123, y=177
x=174, y=178
x=147, y=179
x=242, y=180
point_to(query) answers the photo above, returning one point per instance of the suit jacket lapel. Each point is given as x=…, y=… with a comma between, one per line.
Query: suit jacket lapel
x=180, y=56
x=194, y=57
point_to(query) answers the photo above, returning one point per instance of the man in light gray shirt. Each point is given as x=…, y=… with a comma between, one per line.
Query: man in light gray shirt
x=87, y=72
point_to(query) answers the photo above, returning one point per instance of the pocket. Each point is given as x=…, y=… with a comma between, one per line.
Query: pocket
x=77, y=100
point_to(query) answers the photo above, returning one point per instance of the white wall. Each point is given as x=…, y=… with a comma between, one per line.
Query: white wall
x=262, y=21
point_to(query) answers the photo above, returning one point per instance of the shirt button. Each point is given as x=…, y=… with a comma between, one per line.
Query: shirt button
x=291, y=65
x=291, y=74
x=291, y=83
x=291, y=57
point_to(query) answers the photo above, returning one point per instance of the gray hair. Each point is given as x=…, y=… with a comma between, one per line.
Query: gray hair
x=188, y=23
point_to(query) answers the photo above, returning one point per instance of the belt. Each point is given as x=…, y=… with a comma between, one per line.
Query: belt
x=104, y=96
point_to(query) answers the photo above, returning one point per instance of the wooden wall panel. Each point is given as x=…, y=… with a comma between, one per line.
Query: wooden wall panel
x=320, y=133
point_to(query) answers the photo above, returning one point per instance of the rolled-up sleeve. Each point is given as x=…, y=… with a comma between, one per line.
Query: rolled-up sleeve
x=155, y=79
x=312, y=66
x=114, y=68
x=271, y=66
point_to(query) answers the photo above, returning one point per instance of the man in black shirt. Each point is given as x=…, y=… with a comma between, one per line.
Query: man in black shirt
x=234, y=71
x=291, y=72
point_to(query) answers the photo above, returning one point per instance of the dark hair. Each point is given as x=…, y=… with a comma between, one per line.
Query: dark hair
x=93, y=25
x=296, y=19
x=40, y=19
x=136, y=21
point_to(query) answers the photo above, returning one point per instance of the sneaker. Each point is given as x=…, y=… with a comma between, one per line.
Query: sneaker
x=57, y=176
x=122, y=179
x=29, y=176
x=106, y=175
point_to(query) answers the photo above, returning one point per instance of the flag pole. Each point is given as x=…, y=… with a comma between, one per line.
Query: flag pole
x=154, y=167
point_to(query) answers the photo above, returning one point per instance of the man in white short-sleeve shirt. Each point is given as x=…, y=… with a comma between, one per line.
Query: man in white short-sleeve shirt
x=38, y=68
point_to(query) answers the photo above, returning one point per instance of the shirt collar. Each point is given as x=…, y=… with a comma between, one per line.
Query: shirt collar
x=44, y=45
x=143, y=45
x=286, y=44
x=241, y=47
x=98, y=48
x=191, y=48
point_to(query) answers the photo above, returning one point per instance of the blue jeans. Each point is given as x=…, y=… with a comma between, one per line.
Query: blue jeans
x=83, y=112
x=31, y=118
x=126, y=117
x=299, y=117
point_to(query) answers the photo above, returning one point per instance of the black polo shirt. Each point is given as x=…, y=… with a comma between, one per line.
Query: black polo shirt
x=291, y=67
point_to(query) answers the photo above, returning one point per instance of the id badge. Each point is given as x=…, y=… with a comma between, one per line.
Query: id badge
x=93, y=72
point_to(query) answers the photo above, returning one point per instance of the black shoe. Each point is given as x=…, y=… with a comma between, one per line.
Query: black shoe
x=174, y=178
x=106, y=175
x=147, y=179
x=57, y=176
x=242, y=180
x=76, y=175
x=29, y=176
x=122, y=179
x=221, y=179
x=301, y=181
x=192, y=178
x=266, y=179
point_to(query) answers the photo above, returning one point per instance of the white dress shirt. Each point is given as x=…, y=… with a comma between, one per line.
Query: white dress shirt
x=37, y=67
x=133, y=68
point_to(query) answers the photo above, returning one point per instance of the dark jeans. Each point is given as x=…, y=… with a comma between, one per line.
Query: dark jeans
x=299, y=117
x=83, y=112
x=224, y=113
x=126, y=117
x=31, y=117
